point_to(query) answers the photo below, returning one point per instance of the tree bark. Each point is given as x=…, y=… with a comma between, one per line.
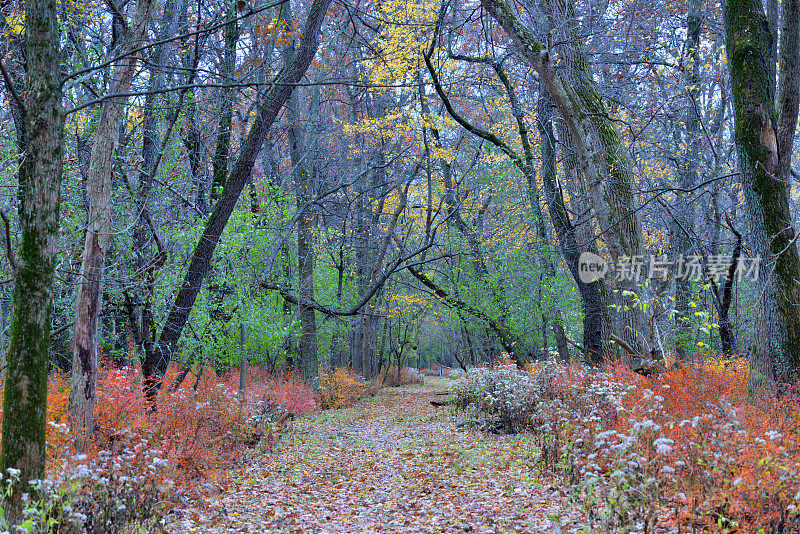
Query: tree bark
x=683, y=224
x=98, y=233
x=560, y=335
x=764, y=147
x=25, y=400
x=591, y=294
x=226, y=97
x=242, y=362
x=303, y=162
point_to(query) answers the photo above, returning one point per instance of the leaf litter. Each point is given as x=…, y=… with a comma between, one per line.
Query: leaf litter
x=392, y=463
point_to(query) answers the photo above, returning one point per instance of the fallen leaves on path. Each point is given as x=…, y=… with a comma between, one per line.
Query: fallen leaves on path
x=393, y=463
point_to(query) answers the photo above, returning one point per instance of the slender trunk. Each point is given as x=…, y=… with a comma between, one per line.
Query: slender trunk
x=560, y=335
x=98, y=233
x=683, y=223
x=194, y=148
x=242, y=361
x=25, y=397
x=303, y=162
x=222, y=151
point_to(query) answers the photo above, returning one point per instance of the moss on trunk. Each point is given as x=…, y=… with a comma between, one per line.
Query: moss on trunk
x=25, y=402
x=776, y=353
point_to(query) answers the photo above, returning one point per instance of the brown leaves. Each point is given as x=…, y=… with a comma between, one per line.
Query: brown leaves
x=391, y=464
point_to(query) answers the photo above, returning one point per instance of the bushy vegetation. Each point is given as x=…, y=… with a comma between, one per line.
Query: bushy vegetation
x=686, y=449
x=339, y=388
x=406, y=376
x=143, y=462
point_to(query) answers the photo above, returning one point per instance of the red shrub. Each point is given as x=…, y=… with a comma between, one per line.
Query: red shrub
x=704, y=456
x=291, y=394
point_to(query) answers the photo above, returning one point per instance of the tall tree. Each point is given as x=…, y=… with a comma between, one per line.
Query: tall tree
x=99, y=227
x=303, y=153
x=764, y=132
x=25, y=400
x=682, y=225
x=602, y=154
x=227, y=94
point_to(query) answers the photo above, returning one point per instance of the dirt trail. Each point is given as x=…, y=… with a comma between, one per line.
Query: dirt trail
x=393, y=463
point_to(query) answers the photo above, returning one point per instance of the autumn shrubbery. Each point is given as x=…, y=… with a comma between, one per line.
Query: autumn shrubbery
x=126, y=478
x=406, y=377
x=515, y=399
x=340, y=387
x=685, y=449
x=143, y=461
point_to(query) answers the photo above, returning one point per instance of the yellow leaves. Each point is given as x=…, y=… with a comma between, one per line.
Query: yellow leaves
x=135, y=115
x=16, y=23
x=443, y=154
x=406, y=31
x=399, y=122
x=402, y=304
x=78, y=121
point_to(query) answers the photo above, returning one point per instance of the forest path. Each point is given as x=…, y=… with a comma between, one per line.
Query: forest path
x=392, y=463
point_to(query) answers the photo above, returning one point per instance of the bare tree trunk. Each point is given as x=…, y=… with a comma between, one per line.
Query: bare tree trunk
x=591, y=294
x=560, y=335
x=98, y=233
x=683, y=223
x=226, y=97
x=764, y=141
x=303, y=162
x=25, y=400
x=242, y=361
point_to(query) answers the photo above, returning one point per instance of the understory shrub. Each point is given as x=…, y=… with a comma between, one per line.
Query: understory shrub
x=686, y=449
x=142, y=462
x=340, y=387
x=407, y=376
x=512, y=397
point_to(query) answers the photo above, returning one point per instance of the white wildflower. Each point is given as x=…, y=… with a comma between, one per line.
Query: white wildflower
x=663, y=445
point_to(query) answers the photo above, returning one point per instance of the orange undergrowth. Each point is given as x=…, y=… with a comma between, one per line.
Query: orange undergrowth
x=340, y=387
x=198, y=431
x=686, y=448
